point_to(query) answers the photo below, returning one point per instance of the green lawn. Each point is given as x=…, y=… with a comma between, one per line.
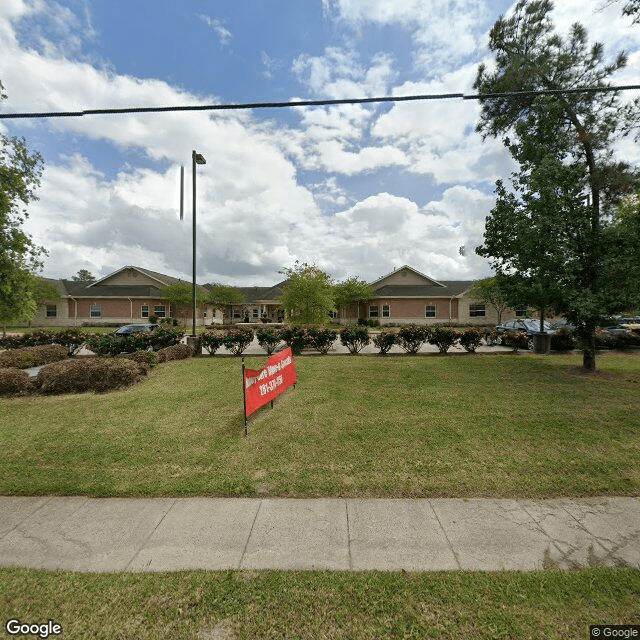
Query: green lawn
x=323, y=605
x=396, y=426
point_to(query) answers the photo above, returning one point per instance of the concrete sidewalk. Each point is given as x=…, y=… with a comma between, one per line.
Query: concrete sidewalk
x=168, y=534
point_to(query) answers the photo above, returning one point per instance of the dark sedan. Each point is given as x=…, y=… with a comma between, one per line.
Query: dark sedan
x=128, y=329
x=530, y=326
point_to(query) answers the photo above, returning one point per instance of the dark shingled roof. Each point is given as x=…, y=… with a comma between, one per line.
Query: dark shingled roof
x=253, y=294
x=81, y=290
x=450, y=288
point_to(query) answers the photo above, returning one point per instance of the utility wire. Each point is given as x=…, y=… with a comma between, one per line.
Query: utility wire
x=309, y=103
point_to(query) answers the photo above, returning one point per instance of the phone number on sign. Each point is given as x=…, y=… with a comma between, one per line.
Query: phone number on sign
x=271, y=385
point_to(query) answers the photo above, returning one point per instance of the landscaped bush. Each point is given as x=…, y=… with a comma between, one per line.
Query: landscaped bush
x=515, y=339
x=355, y=338
x=268, y=338
x=144, y=359
x=175, y=352
x=470, y=339
x=14, y=382
x=384, y=341
x=321, y=338
x=443, y=337
x=69, y=337
x=78, y=375
x=237, y=340
x=109, y=344
x=412, y=336
x=33, y=356
x=563, y=340
x=212, y=340
x=294, y=337
x=162, y=337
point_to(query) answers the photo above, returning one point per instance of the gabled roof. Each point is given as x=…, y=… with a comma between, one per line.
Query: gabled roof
x=81, y=290
x=263, y=294
x=445, y=289
x=407, y=268
x=161, y=278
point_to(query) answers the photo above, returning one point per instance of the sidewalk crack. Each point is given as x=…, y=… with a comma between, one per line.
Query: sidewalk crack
x=446, y=537
x=246, y=544
x=144, y=544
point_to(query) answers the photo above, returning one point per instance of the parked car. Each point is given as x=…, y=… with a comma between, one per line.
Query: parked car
x=135, y=328
x=530, y=326
x=562, y=324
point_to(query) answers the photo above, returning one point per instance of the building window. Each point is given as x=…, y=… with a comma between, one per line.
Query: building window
x=255, y=313
x=237, y=313
x=333, y=314
x=373, y=311
x=476, y=311
x=386, y=311
x=144, y=313
x=159, y=311
x=430, y=311
x=52, y=311
x=521, y=313
x=96, y=311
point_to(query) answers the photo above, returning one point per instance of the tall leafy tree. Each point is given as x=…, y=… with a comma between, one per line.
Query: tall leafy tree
x=351, y=290
x=489, y=291
x=20, y=258
x=84, y=277
x=179, y=296
x=307, y=297
x=549, y=227
x=223, y=296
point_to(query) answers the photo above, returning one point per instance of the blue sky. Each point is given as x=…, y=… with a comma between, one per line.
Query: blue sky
x=357, y=190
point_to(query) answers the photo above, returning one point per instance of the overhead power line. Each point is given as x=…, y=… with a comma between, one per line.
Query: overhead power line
x=308, y=103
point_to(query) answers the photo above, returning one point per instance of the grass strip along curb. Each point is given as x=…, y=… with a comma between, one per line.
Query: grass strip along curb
x=312, y=605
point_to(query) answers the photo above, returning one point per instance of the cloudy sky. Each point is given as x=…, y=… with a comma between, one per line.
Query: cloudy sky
x=357, y=190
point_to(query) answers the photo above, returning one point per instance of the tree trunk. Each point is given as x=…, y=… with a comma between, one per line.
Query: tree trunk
x=589, y=352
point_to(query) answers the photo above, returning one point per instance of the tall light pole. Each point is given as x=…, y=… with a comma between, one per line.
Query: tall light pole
x=196, y=158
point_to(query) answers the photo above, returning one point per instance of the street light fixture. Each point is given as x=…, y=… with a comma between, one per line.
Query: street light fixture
x=196, y=158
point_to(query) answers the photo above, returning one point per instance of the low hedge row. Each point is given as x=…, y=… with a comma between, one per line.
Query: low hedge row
x=68, y=337
x=109, y=344
x=14, y=382
x=79, y=375
x=33, y=356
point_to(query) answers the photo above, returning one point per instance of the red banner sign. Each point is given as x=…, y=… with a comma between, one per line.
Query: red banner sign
x=263, y=385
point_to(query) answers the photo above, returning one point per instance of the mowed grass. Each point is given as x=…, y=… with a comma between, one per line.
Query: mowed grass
x=455, y=426
x=311, y=605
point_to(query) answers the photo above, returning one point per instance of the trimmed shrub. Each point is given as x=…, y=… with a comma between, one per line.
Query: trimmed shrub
x=175, y=352
x=87, y=374
x=563, y=340
x=212, y=340
x=412, y=336
x=321, y=338
x=268, y=338
x=384, y=341
x=237, y=340
x=68, y=337
x=294, y=337
x=144, y=359
x=515, y=339
x=443, y=337
x=355, y=338
x=162, y=337
x=14, y=382
x=470, y=339
x=33, y=356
